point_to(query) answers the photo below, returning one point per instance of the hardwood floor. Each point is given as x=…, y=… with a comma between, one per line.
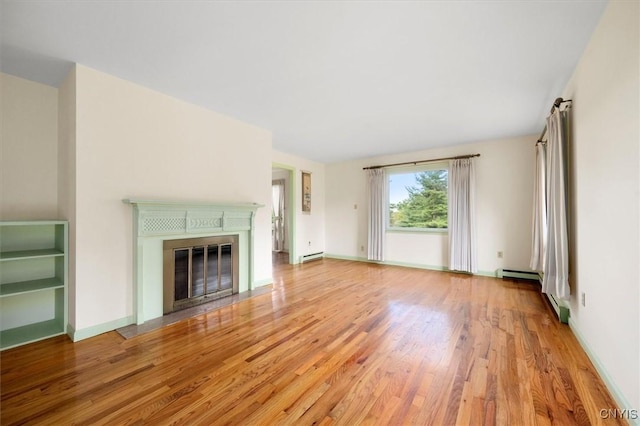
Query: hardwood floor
x=334, y=342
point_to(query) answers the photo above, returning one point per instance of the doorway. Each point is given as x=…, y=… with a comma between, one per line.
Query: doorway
x=282, y=229
x=278, y=222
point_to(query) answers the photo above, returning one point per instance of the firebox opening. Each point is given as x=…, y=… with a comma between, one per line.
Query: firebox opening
x=198, y=270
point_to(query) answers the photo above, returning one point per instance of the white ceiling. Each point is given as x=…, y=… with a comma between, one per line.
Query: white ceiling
x=332, y=80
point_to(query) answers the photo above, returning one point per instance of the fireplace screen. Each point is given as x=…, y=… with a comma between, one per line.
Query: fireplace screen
x=197, y=270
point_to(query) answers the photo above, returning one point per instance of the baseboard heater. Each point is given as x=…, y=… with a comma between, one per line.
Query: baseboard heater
x=561, y=309
x=313, y=256
x=520, y=275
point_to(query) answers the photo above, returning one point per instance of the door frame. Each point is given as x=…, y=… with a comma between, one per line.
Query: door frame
x=290, y=209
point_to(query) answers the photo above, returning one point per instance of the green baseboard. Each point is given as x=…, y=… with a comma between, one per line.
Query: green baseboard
x=386, y=262
x=354, y=258
x=491, y=274
x=403, y=264
x=95, y=330
x=616, y=393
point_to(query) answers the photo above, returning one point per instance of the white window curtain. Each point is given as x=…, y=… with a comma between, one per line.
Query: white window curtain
x=377, y=186
x=556, y=253
x=539, y=226
x=277, y=192
x=462, y=216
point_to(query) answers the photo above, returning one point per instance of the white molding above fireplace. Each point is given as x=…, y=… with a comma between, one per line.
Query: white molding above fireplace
x=155, y=221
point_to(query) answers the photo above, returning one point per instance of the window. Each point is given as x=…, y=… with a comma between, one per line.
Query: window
x=418, y=197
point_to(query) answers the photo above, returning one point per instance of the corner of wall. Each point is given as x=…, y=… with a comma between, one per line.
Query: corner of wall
x=67, y=175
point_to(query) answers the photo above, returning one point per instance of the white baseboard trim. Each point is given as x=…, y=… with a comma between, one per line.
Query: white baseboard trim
x=95, y=330
x=617, y=395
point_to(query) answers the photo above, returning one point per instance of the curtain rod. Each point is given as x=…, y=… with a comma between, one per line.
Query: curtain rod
x=556, y=104
x=459, y=157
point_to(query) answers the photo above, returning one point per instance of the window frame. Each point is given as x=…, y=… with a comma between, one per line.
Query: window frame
x=440, y=165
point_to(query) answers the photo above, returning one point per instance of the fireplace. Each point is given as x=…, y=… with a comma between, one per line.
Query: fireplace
x=198, y=270
x=190, y=229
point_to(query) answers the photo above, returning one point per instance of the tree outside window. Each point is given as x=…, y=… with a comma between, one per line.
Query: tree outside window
x=418, y=199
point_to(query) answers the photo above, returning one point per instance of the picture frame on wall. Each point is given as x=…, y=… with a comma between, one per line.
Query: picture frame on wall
x=306, y=192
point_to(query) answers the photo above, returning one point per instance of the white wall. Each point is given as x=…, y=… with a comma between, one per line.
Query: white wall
x=605, y=92
x=28, y=165
x=284, y=175
x=132, y=142
x=504, y=182
x=309, y=228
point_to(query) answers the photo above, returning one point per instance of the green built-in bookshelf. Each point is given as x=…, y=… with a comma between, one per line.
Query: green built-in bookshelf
x=33, y=281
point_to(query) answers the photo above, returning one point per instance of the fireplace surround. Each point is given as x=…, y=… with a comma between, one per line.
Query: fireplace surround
x=155, y=222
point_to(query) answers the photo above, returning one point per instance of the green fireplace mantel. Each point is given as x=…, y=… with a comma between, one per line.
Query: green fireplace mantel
x=157, y=220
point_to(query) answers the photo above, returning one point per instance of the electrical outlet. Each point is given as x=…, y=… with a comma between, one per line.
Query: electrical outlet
x=361, y=248
x=355, y=207
x=309, y=243
x=583, y=297
x=500, y=255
